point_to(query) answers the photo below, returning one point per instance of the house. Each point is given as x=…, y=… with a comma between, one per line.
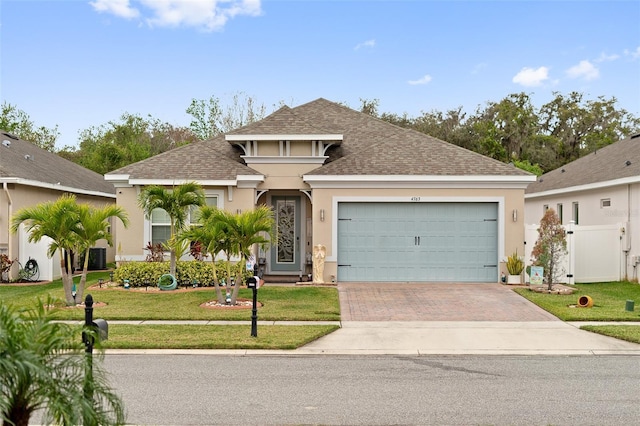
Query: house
x=600, y=194
x=387, y=203
x=30, y=175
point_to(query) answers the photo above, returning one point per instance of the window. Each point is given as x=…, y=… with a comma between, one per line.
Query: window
x=575, y=212
x=605, y=202
x=160, y=226
x=559, y=211
x=194, y=212
x=161, y=222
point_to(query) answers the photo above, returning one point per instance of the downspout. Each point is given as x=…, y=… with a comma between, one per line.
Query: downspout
x=9, y=216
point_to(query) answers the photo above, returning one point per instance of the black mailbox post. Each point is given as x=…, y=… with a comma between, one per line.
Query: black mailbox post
x=101, y=328
x=253, y=283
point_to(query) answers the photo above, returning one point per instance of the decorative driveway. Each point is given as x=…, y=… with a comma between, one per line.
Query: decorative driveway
x=436, y=302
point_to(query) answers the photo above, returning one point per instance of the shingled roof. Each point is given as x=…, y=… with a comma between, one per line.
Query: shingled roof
x=25, y=163
x=370, y=146
x=620, y=160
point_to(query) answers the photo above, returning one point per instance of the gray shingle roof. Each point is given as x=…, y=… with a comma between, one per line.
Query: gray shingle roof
x=370, y=147
x=214, y=159
x=606, y=164
x=23, y=160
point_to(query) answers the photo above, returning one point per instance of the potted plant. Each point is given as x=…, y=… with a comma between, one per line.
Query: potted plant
x=515, y=265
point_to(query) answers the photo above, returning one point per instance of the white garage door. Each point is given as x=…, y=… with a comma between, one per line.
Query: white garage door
x=391, y=242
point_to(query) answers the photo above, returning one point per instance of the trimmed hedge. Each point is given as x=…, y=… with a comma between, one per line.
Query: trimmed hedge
x=139, y=273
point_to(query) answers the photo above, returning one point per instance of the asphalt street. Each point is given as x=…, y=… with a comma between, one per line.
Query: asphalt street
x=377, y=390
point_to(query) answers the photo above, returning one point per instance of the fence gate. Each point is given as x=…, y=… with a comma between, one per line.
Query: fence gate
x=595, y=253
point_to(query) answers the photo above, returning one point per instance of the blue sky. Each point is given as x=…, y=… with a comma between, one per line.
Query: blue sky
x=78, y=64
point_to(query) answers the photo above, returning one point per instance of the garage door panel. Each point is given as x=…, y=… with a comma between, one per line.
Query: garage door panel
x=417, y=242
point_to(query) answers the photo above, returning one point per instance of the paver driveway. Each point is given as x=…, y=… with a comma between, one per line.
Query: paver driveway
x=436, y=302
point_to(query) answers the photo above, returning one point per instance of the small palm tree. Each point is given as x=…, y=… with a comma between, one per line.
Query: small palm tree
x=211, y=238
x=94, y=226
x=176, y=202
x=59, y=221
x=43, y=366
x=246, y=230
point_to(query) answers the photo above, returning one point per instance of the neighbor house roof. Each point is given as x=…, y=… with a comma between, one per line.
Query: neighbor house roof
x=25, y=163
x=370, y=146
x=615, y=163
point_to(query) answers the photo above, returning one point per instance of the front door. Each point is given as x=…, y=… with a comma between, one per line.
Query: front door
x=285, y=252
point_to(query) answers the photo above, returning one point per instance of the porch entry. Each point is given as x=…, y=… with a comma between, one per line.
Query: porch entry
x=285, y=249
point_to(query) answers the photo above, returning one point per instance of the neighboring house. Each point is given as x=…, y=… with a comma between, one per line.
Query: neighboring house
x=389, y=204
x=599, y=193
x=30, y=175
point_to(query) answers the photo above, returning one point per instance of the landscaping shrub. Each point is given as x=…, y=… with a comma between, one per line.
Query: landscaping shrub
x=186, y=272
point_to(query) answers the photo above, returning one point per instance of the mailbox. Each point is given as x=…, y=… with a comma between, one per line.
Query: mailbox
x=102, y=328
x=252, y=282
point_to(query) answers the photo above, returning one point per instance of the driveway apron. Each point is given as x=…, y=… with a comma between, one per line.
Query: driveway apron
x=436, y=302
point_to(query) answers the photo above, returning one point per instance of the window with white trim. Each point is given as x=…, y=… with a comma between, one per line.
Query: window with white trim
x=576, y=211
x=161, y=222
x=559, y=211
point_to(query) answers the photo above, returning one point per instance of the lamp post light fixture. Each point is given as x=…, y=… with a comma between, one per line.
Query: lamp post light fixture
x=111, y=276
x=146, y=284
x=100, y=282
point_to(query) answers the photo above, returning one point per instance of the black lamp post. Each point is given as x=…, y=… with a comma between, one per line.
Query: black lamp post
x=252, y=283
x=100, y=281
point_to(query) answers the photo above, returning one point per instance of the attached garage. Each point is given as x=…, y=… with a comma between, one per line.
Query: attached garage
x=421, y=241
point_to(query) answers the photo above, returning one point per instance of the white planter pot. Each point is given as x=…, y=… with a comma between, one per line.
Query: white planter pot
x=513, y=279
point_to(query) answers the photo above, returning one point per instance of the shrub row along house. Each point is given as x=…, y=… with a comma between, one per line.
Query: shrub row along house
x=388, y=204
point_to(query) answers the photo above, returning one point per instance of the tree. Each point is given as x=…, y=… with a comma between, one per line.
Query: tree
x=43, y=367
x=248, y=229
x=550, y=247
x=212, y=240
x=176, y=202
x=117, y=144
x=210, y=120
x=585, y=125
x=18, y=123
x=72, y=227
x=60, y=222
x=94, y=226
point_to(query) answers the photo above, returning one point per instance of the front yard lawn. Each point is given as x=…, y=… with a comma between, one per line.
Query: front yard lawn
x=609, y=302
x=279, y=303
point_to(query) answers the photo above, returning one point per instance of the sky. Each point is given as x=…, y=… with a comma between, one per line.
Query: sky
x=79, y=64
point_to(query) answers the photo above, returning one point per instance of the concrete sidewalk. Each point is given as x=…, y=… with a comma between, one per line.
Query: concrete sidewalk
x=430, y=338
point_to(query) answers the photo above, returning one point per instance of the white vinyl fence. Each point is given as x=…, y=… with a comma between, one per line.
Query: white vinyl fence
x=595, y=253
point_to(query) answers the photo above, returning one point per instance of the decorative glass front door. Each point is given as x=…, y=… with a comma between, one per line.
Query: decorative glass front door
x=285, y=253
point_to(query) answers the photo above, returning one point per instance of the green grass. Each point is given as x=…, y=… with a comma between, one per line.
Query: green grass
x=609, y=301
x=213, y=336
x=630, y=333
x=279, y=303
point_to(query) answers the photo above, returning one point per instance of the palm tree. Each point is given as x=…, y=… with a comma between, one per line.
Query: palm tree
x=43, y=367
x=59, y=221
x=176, y=202
x=212, y=240
x=246, y=230
x=94, y=226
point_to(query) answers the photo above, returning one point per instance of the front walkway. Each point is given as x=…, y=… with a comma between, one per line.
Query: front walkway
x=436, y=302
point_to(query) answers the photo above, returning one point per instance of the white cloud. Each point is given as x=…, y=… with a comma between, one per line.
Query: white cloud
x=584, y=70
x=209, y=15
x=119, y=8
x=635, y=54
x=530, y=77
x=368, y=43
x=607, y=58
x=424, y=80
